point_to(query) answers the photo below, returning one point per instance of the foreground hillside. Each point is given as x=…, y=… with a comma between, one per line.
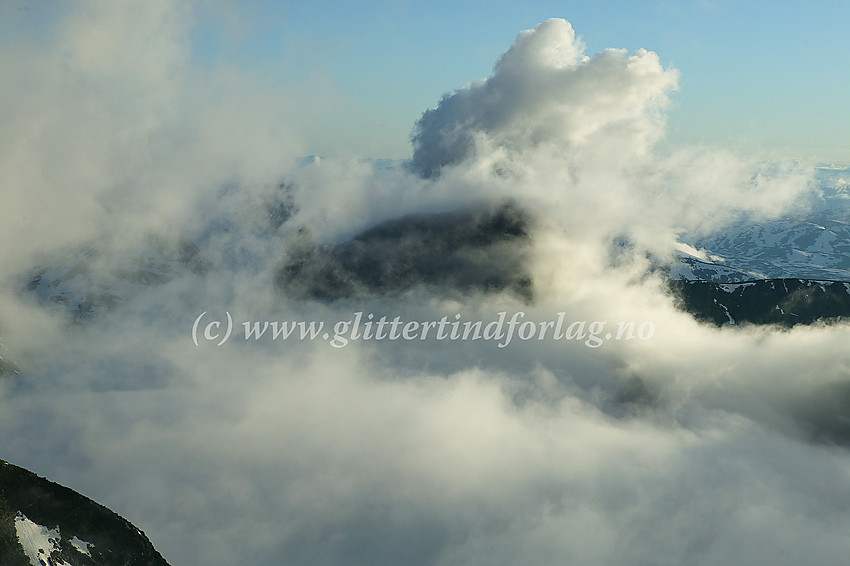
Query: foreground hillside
x=42, y=522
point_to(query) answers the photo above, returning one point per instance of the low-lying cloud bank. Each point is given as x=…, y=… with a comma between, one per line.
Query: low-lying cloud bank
x=697, y=445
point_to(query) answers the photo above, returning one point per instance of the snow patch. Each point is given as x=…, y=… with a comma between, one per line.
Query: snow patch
x=39, y=542
x=81, y=546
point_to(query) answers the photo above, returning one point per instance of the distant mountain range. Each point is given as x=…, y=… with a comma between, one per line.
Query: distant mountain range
x=46, y=524
x=786, y=271
x=779, y=249
x=484, y=250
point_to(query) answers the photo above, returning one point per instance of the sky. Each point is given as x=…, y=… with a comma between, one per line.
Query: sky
x=135, y=131
x=765, y=76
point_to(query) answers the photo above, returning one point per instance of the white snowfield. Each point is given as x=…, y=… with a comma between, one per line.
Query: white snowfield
x=81, y=545
x=39, y=542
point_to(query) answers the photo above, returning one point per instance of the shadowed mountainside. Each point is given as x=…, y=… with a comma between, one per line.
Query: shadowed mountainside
x=53, y=524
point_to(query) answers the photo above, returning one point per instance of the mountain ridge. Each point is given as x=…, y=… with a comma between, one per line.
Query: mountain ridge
x=42, y=520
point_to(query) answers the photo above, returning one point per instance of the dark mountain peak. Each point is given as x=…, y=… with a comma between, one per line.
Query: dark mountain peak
x=44, y=522
x=450, y=253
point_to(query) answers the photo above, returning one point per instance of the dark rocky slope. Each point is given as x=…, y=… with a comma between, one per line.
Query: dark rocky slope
x=56, y=525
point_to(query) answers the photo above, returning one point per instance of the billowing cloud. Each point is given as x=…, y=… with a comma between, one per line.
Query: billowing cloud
x=544, y=90
x=108, y=113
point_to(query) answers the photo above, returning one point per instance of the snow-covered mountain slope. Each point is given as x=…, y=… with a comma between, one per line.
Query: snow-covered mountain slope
x=690, y=268
x=786, y=271
x=783, y=248
x=43, y=523
x=814, y=244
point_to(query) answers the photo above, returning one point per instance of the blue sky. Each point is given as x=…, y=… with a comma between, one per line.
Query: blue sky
x=757, y=76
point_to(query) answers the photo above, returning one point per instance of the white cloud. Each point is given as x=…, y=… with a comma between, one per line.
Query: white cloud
x=544, y=90
x=110, y=113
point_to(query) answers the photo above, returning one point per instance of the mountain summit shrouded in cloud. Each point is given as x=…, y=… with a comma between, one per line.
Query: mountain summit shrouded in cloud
x=545, y=90
x=691, y=444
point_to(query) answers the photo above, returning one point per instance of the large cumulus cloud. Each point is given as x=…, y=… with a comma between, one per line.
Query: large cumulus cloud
x=545, y=90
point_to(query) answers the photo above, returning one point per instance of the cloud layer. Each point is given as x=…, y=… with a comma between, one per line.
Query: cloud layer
x=698, y=445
